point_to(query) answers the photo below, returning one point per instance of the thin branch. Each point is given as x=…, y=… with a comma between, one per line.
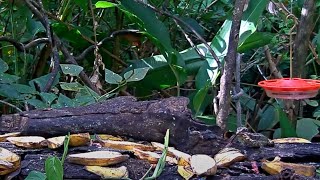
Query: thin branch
x=11, y=105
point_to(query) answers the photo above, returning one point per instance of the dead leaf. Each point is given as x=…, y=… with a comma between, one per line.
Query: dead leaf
x=55, y=142
x=32, y=142
x=80, y=139
x=126, y=145
x=9, y=161
x=186, y=172
x=152, y=157
x=97, y=158
x=275, y=167
x=290, y=140
x=203, y=165
x=4, y=137
x=228, y=156
x=109, y=173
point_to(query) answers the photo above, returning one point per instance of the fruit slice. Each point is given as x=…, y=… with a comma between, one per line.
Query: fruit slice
x=203, y=165
x=55, y=142
x=109, y=173
x=4, y=137
x=126, y=145
x=80, y=139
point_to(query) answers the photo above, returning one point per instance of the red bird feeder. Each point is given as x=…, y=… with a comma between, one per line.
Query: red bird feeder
x=291, y=88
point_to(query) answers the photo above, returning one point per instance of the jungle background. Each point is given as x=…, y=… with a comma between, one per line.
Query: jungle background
x=70, y=53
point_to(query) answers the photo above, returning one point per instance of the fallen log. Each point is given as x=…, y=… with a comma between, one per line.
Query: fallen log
x=122, y=116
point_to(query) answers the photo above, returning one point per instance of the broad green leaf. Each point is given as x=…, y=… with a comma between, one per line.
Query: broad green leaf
x=136, y=74
x=210, y=120
x=36, y=175
x=82, y=3
x=71, y=69
x=256, y=40
x=24, y=89
x=199, y=98
x=8, y=78
x=267, y=120
x=104, y=4
x=63, y=101
x=72, y=35
x=48, y=98
x=40, y=82
x=287, y=130
x=73, y=86
x=8, y=91
x=37, y=103
x=307, y=128
x=3, y=66
x=111, y=77
x=54, y=168
x=277, y=133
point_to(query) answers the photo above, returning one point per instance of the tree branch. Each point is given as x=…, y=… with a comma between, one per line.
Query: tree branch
x=229, y=66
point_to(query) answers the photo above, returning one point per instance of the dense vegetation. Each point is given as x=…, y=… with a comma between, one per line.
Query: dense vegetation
x=71, y=53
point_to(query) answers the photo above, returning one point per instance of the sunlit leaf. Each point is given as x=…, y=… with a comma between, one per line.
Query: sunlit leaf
x=104, y=4
x=287, y=129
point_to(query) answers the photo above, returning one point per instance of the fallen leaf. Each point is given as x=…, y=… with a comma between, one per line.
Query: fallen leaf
x=203, y=165
x=9, y=161
x=27, y=141
x=109, y=173
x=97, y=158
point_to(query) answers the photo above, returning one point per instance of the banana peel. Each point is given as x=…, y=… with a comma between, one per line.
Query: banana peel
x=202, y=164
x=4, y=137
x=55, y=142
x=183, y=158
x=125, y=145
x=275, y=167
x=9, y=161
x=290, y=140
x=97, y=158
x=152, y=157
x=228, y=156
x=109, y=173
x=80, y=139
x=185, y=172
x=31, y=142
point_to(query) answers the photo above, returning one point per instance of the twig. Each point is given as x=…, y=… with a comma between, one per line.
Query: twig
x=11, y=105
x=272, y=66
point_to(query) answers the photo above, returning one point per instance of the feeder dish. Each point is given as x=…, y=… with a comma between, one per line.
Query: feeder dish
x=291, y=88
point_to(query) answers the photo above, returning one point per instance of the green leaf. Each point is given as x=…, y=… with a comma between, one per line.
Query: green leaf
x=37, y=103
x=268, y=120
x=256, y=40
x=136, y=74
x=73, y=86
x=9, y=91
x=71, y=69
x=36, y=175
x=199, y=98
x=8, y=78
x=40, y=82
x=82, y=3
x=54, y=168
x=111, y=77
x=48, y=98
x=287, y=130
x=307, y=128
x=3, y=66
x=312, y=103
x=104, y=4
x=24, y=89
x=63, y=101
